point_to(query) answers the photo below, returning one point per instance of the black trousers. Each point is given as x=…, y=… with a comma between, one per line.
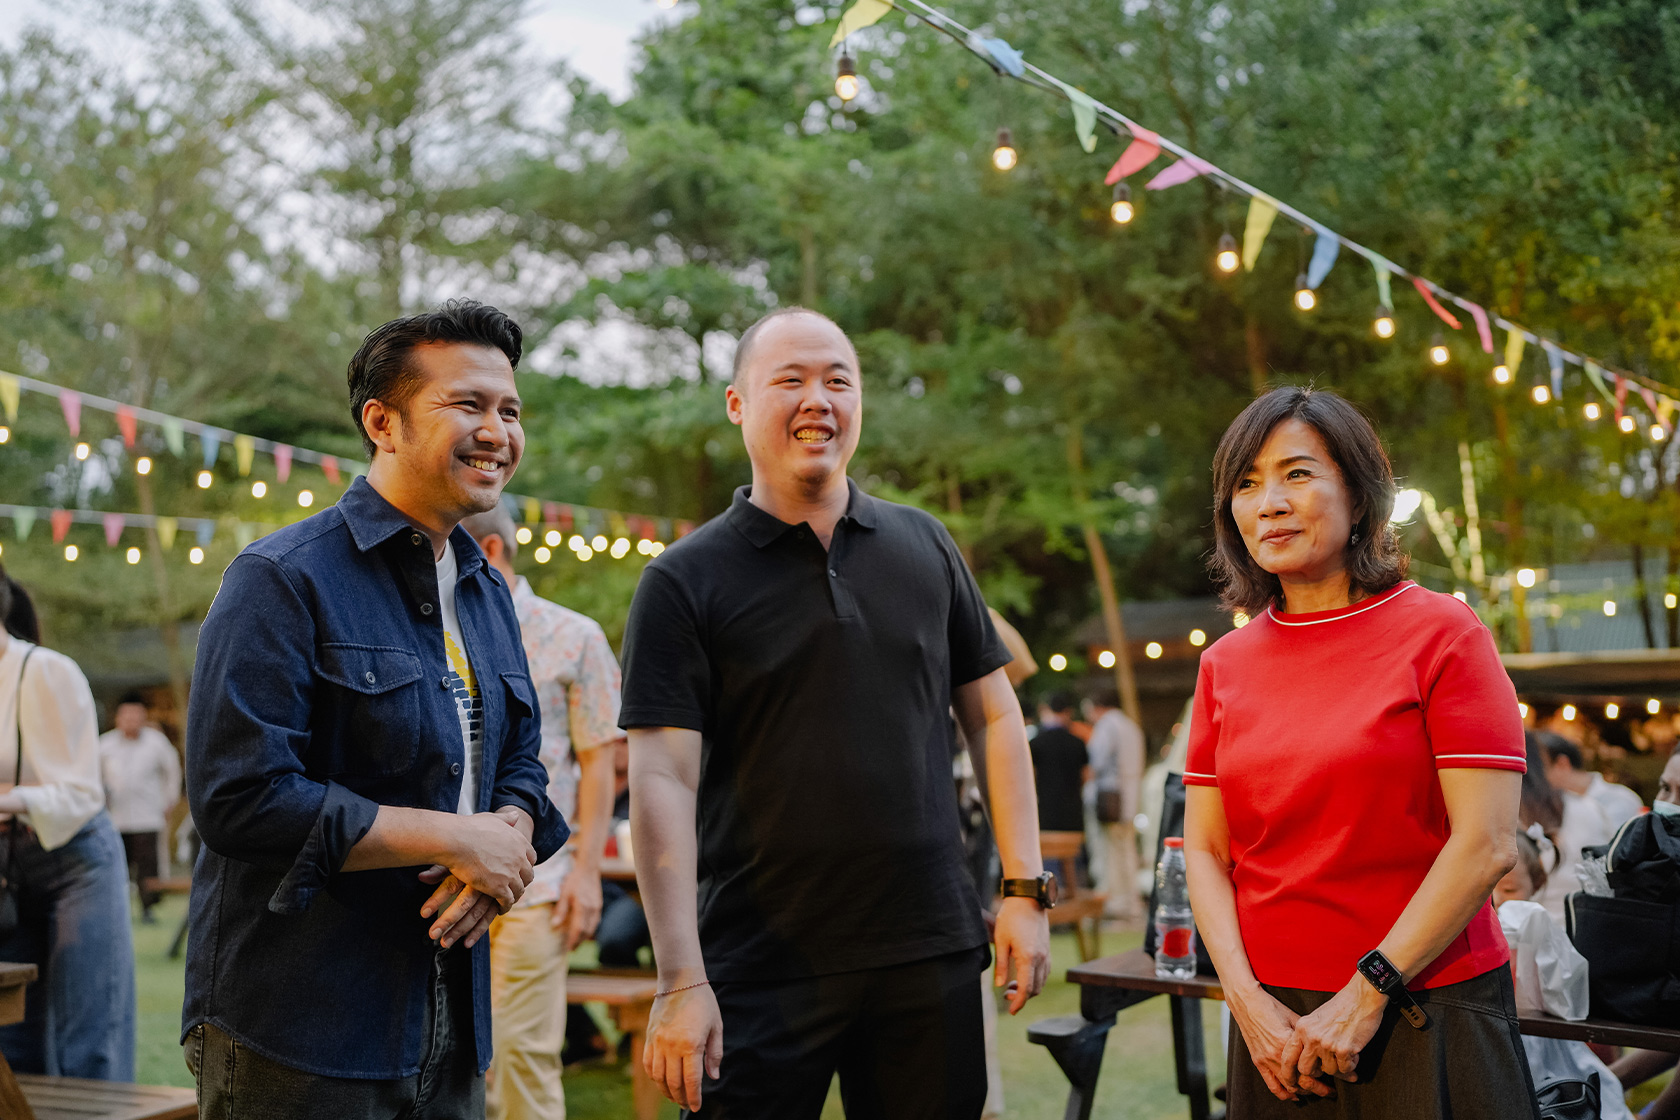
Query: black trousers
x=141, y=848
x=907, y=1042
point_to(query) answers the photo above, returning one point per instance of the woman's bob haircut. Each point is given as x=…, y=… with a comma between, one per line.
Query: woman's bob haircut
x=1376, y=563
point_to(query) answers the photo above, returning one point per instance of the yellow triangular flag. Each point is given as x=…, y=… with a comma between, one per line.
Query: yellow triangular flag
x=244, y=447
x=1261, y=211
x=864, y=13
x=166, y=529
x=9, y=395
x=1514, y=343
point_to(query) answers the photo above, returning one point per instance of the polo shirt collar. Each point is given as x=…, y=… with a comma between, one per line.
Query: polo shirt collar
x=762, y=528
x=372, y=521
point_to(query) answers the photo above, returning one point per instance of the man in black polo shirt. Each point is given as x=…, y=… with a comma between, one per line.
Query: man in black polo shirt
x=788, y=673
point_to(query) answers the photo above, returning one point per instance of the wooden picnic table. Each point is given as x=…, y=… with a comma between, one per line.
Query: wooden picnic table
x=620, y=871
x=1112, y=984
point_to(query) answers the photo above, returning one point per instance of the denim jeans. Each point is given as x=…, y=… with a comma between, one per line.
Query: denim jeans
x=79, y=1014
x=235, y=1082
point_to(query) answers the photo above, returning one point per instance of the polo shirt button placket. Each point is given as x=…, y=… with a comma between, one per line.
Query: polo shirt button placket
x=417, y=538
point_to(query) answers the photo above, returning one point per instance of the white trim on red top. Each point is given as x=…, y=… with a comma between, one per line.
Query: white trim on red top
x=1207, y=777
x=1483, y=757
x=1392, y=595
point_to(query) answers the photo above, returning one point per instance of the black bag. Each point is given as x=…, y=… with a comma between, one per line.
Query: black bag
x=1569, y=1098
x=1108, y=806
x=10, y=917
x=1631, y=939
x=1172, y=824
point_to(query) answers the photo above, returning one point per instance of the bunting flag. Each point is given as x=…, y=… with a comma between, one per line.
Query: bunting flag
x=1595, y=374
x=1515, y=340
x=206, y=533
x=1385, y=293
x=173, y=437
x=1665, y=412
x=1140, y=153
x=1005, y=56
x=566, y=520
x=71, y=403
x=533, y=511
x=211, y=440
x=1447, y=317
x=10, y=390
x=282, y=462
x=329, y=467
x=244, y=450
x=1261, y=213
x=113, y=523
x=127, y=425
x=1621, y=397
x=1323, y=256
x=1084, y=114
x=1650, y=399
x=60, y=519
x=244, y=532
x=684, y=528
x=1484, y=330
x=1554, y=361
x=864, y=13
x=167, y=527
x=23, y=520
x=1186, y=169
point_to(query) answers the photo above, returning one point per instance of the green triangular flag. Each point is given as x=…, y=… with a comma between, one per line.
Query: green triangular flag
x=1084, y=115
x=864, y=13
x=1385, y=296
x=23, y=520
x=167, y=527
x=173, y=436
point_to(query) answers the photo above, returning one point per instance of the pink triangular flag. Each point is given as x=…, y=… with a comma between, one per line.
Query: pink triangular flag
x=1183, y=171
x=1447, y=317
x=1621, y=397
x=126, y=424
x=282, y=461
x=1650, y=399
x=113, y=528
x=60, y=519
x=71, y=403
x=329, y=467
x=1143, y=149
x=1482, y=327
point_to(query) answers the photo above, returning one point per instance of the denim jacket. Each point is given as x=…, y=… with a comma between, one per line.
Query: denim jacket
x=321, y=692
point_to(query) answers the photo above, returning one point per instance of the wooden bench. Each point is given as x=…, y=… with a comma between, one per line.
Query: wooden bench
x=629, y=997
x=1081, y=909
x=71, y=1098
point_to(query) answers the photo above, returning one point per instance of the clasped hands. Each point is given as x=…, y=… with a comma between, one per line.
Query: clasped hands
x=1298, y=1054
x=491, y=863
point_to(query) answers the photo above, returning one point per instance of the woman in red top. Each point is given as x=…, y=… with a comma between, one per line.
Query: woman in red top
x=1355, y=761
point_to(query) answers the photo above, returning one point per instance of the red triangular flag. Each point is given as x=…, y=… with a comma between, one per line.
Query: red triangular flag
x=1140, y=153
x=61, y=519
x=551, y=513
x=282, y=461
x=1621, y=397
x=71, y=403
x=126, y=424
x=1650, y=400
x=329, y=467
x=113, y=528
x=1434, y=304
x=565, y=519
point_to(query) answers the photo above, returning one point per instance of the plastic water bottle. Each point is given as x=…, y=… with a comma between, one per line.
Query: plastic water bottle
x=1175, y=929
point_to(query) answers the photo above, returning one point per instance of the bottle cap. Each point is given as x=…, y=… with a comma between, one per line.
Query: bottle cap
x=1174, y=841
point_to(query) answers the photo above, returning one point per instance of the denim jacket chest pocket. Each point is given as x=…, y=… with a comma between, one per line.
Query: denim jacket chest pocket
x=367, y=716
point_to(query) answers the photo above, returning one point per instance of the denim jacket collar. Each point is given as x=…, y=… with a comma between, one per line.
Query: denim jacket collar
x=372, y=521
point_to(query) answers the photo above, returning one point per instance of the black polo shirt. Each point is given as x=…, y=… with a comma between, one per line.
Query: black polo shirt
x=821, y=683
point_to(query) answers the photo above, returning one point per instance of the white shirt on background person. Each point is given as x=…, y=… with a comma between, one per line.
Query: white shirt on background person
x=60, y=781
x=142, y=778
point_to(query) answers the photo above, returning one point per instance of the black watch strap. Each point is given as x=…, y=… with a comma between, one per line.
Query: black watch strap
x=1381, y=974
x=1042, y=890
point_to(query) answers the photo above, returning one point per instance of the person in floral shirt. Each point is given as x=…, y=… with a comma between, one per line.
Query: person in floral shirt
x=577, y=681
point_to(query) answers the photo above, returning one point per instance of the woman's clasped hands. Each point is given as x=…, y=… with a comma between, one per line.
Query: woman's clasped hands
x=1298, y=1054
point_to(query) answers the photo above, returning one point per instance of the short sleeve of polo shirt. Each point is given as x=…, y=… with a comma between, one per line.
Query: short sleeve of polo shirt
x=976, y=647
x=667, y=675
x=1199, y=768
x=1470, y=709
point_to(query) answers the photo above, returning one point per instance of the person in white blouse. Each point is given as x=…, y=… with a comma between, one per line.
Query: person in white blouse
x=62, y=853
x=142, y=776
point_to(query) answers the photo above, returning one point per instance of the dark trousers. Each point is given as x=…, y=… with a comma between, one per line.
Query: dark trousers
x=907, y=1042
x=141, y=848
x=237, y=1083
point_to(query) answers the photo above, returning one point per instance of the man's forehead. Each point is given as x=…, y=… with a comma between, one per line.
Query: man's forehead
x=462, y=359
x=802, y=340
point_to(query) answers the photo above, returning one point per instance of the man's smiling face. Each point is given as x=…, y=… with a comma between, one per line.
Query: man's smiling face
x=799, y=400
x=459, y=439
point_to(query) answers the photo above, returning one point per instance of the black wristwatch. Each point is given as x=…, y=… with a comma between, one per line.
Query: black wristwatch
x=1043, y=890
x=1385, y=978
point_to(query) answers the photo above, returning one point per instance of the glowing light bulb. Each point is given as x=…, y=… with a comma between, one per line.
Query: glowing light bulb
x=1671, y=600
x=1658, y=432
x=585, y=553
x=1609, y=608
x=846, y=79
x=1461, y=596
x=1653, y=706
x=1626, y=424
x=1227, y=260
x=552, y=538
x=205, y=478
x=1057, y=663
x=1592, y=411
x=575, y=542
x=1239, y=619
x=1525, y=577
x=196, y=556
x=1541, y=394
x=1522, y=709
x=1502, y=374
x=1567, y=712
x=142, y=465
x=598, y=543
x=1198, y=638
x=1612, y=710
x=1004, y=156
x=542, y=554
x=1106, y=659
x=1122, y=210
x=306, y=498
x=71, y=552
x=1305, y=298
x=5, y=434
x=644, y=547
x=522, y=534
x=620, y=548
x=1383, y=324
x=83, y=451
x=1439, y=354
x=259, y=489
x=657, y=548
x=1153, y=651
x=134, y=556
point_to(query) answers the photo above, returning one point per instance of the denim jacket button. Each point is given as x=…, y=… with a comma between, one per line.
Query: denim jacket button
x=443, y=683
x=454, y=769
x=369, y=677
x=425, y=608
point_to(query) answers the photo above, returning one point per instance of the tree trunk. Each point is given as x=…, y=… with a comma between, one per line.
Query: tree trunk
x=1640, y=589
x=1515, y=544
x=1254, y=343
x=1124, y=680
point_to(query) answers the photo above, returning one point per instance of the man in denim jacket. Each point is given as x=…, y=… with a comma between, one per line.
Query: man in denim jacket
x=362, y=761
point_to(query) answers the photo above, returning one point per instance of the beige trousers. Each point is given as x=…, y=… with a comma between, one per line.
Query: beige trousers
x=527, y=1016
x=1120, y=869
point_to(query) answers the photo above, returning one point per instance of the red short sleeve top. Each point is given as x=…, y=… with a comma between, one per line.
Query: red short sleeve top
x=1323, y=733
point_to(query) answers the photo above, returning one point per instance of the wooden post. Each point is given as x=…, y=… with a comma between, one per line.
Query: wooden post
x=1124, y=680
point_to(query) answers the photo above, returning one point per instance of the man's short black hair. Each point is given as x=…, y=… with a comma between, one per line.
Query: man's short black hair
x=1105, y=696
x=383, y=368
x=132, y=696
x=1060, y=702
x=1556, y=747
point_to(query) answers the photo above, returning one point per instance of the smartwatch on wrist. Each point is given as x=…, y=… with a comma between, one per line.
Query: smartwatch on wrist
x=1042, y=890
x=1380, y=972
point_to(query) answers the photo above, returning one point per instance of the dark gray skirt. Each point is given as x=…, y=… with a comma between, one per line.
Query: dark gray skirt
x=1468, y=1064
